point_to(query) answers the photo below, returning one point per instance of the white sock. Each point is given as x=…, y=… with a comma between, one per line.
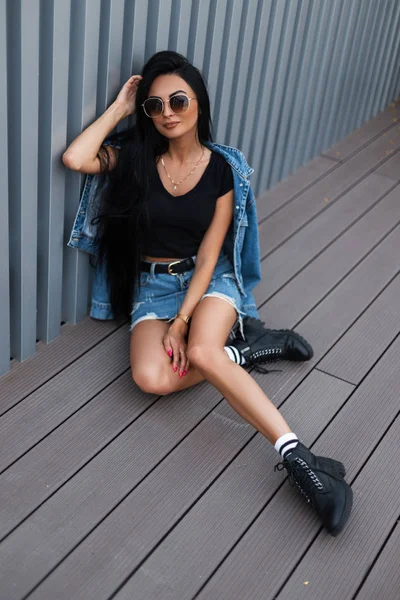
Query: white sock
x=235, y=355
x=286, y=444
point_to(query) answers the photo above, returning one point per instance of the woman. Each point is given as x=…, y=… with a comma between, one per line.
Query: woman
x=174, y=251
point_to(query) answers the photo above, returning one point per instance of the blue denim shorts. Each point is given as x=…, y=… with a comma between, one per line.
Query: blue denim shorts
x=160, y=295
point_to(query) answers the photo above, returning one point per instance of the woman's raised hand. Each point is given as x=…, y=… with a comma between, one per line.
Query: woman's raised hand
x=127, y=95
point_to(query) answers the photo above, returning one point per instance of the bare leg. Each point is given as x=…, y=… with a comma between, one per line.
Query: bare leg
x=151, y=365
x=211, y=323
x=320, y=480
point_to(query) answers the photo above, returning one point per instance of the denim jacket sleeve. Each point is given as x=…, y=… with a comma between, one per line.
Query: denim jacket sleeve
x=251, y=267
x=250, y=257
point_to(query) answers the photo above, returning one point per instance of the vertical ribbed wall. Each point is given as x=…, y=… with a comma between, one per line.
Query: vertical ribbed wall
x=287, y=79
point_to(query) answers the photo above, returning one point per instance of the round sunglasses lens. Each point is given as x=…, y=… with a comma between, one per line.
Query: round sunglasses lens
x=152, y=107
x=179, y=104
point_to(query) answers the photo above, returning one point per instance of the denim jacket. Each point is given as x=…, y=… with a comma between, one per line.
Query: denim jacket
x=241, y=243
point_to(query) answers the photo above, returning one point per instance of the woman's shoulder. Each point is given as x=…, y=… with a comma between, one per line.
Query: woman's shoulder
x=233, y=156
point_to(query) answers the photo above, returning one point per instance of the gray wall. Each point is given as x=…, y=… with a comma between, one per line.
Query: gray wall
x=287, y=79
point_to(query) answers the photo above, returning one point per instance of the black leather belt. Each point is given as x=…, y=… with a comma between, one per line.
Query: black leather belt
x=173, y=268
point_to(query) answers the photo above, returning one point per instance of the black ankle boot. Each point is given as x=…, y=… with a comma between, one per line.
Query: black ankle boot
x=321, y=482
x=262, y=345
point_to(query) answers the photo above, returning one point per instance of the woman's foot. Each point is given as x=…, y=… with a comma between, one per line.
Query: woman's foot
x=321, y=481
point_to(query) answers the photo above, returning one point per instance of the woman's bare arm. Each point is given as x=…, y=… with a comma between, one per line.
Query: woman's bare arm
x=82, y=154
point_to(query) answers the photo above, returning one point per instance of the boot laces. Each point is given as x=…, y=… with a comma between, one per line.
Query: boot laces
x=301, y=475
x=267, y=354
x=254, y=365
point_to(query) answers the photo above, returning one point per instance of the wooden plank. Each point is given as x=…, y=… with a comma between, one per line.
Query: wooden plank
x=51, y=532
x=45, y=409
x=217, y=439
x=391, y=168
x=43, y=470
x=287, y=221
x=366, y=133
x=353, y=295
x=52, y=358
x=155, y=438
x=358, y=350
x=322, y=231
x=289, y=189
x=383, y=580
x=321, y=275
x=335, y=569
x=260, y=563
x=189, y=554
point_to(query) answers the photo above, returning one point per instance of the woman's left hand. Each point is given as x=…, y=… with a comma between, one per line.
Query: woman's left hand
x=175, y=345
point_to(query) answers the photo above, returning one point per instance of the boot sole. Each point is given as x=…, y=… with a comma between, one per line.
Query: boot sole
x=346, y=512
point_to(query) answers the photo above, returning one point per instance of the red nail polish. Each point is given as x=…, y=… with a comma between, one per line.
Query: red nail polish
x=169, y=353
x=175, y=369
x=184, y=373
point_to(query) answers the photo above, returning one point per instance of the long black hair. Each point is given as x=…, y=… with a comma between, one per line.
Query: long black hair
x=121, y=218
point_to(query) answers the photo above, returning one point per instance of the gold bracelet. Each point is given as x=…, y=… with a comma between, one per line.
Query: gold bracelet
x=184, y=318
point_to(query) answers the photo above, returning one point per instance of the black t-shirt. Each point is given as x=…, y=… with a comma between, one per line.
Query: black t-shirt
x=178, y=224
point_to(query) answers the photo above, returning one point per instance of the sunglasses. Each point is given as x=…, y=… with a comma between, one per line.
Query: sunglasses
x=154, y=107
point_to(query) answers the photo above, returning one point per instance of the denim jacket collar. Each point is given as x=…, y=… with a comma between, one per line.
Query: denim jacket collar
x=234, y=157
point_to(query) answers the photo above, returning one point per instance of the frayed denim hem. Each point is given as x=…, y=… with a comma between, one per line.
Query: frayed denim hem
x=231, y=301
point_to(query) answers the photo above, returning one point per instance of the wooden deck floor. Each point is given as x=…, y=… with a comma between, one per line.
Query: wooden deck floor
x=106, y=492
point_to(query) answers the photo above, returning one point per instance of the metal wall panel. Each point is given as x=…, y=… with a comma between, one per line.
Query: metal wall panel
x=180, y=26
x=244, y=68
x=23, y=100
x=246, y=107
x=53, y=95
x=201, y=12
x=287, y=79
x=82, y=98
x=355, y=60
x=4, y=253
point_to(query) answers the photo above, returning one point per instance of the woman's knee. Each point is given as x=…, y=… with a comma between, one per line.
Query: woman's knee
x=204, y=357
x=152, y=380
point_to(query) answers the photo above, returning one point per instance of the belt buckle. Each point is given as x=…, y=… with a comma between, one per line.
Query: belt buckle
x=171, y=264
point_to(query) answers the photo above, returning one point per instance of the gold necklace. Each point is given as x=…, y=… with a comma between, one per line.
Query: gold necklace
x=176, y=183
